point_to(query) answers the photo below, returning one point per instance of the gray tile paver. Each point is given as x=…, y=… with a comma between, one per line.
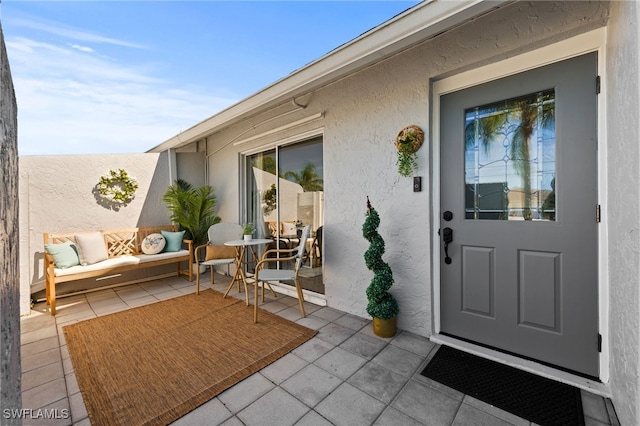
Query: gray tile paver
x=416, y=344
x=44, y=394
x=335, y=333
x=353, y=322
x=39, y=346
x=313, y=419
x=379, y=382
x=426, y=405
x=78, y=409
x=41, y=359
x=312, y=322
x=44, y=374
x=393, y=417
x=244, y=393
x=283, y=368
x=399, y=360
x=594, y=407
x=311, y=384
x=49, y=330
x=275, y=408
x=313, y=349
x=328, y=314
x=344, y=376
x=349, y=406
x=471, y=416
x=212, y=412
x=141, y=301
x=363, y=345
x=495, y=411
x=340, y=362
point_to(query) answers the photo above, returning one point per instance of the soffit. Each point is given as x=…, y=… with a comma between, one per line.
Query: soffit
x=413, y=26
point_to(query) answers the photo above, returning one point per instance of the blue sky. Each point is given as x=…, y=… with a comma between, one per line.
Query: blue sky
x=121, y=76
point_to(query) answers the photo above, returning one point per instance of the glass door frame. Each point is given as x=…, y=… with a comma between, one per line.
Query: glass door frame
x=243, y=192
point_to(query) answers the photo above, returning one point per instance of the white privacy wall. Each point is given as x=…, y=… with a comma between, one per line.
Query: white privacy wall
x=57, y=195
x=362, y=115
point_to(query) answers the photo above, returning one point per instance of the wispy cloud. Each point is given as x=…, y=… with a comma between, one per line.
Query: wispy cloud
x=71, y=99
x=70, y=32
x=82, y=48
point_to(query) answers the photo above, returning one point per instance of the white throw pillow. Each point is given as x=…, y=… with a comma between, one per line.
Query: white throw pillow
x=153, y=244
x=91, y=248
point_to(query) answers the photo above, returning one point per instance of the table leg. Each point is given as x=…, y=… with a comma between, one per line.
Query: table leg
x=239, y=274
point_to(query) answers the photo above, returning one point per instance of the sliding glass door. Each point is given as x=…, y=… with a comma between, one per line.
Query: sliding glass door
x=285, y=192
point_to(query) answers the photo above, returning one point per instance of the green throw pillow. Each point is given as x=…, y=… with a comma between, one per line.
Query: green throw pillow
x=65, y=255
x=174, y=240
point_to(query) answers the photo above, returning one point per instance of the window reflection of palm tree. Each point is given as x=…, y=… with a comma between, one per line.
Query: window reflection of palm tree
x=515, y=122
x=307, y=178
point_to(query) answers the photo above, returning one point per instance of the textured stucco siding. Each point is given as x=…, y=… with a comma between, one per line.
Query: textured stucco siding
x=57, y=194
x=623, y=207
x=362, y=115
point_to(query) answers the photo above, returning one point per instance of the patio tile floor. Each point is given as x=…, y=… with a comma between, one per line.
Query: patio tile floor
x=345, y=375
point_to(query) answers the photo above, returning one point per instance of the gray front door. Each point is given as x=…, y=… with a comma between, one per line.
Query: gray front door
x=518, y=188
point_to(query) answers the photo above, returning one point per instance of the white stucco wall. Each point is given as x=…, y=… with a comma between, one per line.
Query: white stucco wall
x=623, y=207
x=57, y=195
x=362, y=115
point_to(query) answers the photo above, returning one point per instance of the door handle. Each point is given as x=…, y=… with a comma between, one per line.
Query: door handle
x=447, y=237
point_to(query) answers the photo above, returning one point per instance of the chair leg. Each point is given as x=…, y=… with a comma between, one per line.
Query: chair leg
x=212, y=269
x=300, y=299
x=255, y=302
x=198, y=280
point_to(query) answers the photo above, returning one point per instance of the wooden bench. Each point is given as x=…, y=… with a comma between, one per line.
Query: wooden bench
x=124, y=250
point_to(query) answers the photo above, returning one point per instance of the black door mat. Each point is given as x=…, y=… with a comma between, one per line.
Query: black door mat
x=537, y=399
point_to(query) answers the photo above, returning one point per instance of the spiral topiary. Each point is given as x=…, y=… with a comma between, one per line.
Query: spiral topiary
x=381, y=304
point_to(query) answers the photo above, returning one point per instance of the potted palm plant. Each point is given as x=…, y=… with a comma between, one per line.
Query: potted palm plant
x=382, y=306
x=193, y=209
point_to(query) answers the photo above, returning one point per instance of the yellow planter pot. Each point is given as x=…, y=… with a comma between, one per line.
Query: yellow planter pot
x=384, y=327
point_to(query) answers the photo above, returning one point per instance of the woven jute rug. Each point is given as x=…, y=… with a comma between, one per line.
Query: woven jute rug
x=153, y=364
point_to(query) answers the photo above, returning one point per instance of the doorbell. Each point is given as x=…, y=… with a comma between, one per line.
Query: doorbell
x=417, y=184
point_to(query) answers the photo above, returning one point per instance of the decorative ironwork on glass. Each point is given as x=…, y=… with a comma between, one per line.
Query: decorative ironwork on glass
x=510, y=159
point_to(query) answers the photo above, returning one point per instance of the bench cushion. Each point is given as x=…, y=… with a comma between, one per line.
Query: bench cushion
x=160, y=256
x=153, y=244
x=174, y=240
x=91, y=248
x=118, y=261
x=64, y=254
x=109, y=263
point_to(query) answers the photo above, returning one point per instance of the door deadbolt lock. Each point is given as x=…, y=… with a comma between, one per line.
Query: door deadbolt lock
x=447, y=216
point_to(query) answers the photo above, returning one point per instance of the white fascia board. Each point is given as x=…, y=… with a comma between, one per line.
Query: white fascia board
x=415, y=25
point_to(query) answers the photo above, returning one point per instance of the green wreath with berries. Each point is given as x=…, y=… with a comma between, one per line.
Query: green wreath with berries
x=117, y=186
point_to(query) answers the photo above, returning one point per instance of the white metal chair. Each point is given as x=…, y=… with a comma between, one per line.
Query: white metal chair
x=216, y=253
x=263, y=275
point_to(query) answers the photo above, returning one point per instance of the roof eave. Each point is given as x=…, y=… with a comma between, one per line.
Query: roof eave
x=416, y=24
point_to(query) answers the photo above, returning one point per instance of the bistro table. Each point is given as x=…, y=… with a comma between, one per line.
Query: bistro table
x=241, y=250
